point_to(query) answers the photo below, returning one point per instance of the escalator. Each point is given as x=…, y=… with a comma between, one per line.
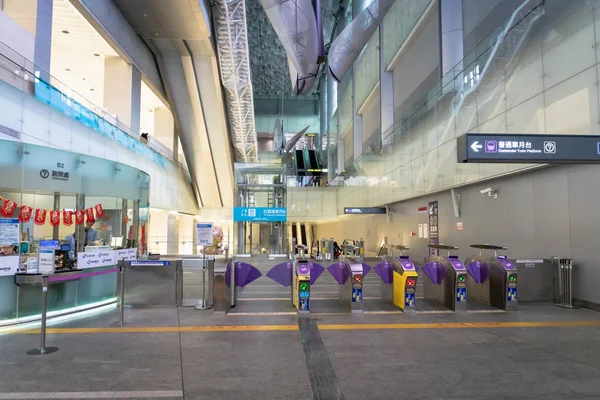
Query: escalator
x=308, y=169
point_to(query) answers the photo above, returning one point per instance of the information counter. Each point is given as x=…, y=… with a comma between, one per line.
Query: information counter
x=92, y=284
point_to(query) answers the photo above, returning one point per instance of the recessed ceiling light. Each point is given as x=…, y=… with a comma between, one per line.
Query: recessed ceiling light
x=97, y=55
x=145, y=15
x=67, y=69
x=83, y=79
x=91, y=90
x=66, y=32
x=156, y=34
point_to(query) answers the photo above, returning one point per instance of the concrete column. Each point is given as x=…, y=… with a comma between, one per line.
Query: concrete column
x=331, y=105
x=340, y=154
x=386, y=91
x=122, y=91
x=451, y=33
x=173, y=233
x=322, y=114
x=43, y=39
x=357, y=127
x=164, y=127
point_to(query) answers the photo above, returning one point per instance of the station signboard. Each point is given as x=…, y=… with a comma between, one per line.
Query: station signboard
x=365, y=210
x=528, y=149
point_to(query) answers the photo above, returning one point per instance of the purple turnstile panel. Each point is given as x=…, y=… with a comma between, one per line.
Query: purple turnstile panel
x=435, y=272
x=366, y=269
x=340, y=272
x=385, y=272
x=478, y=271
x=315, y=272
x=282, y=273
x=505, y=262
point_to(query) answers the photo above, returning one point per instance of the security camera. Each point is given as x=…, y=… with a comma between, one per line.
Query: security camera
x=491, y=192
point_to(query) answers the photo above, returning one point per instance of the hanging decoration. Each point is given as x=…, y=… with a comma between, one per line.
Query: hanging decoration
x=67, y=218
x=25, y=213
x=79, y=216
x=54, y=217
x=8, y=208
x=40, y=217
x=99, y=210
x=89, y=213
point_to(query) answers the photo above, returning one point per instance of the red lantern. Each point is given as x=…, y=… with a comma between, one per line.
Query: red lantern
x=89, y=213
x=8, y=208
x=79, y=217
x=99, y=210
x=54, y=218
x=25, y=213
x=40, y=217
x=67, y=218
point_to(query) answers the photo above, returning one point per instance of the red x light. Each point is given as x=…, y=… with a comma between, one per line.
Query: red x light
x=357, y=278
x=410, y=283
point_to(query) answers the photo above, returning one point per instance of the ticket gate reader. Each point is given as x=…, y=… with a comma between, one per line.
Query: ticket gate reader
x=405, y=283
x=492, y=278
x=398, y=279
x=301, y=286
x=351, y=292
x=446, y=281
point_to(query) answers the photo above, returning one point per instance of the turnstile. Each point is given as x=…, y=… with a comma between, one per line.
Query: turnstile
x=492, y=279
x=351, y=292
x=301, y=286
x=398, y=280
x=445, y=284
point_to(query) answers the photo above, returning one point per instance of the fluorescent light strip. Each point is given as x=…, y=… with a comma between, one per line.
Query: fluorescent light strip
x=58, y=316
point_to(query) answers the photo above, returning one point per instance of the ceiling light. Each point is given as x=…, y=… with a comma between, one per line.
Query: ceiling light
x=67, y=69
x=66, y=32
x=91, y=90
x=145, y=15
x=97, y=55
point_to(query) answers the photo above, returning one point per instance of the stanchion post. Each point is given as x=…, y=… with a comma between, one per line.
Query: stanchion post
x=43, y=349
x=232, y=286
x=122, y=294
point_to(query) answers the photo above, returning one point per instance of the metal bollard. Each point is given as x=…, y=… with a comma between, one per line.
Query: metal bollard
x=43, y=349
x=565, y=285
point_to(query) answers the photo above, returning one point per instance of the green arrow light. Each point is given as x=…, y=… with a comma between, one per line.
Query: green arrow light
x=304, y=286
x=461, y=278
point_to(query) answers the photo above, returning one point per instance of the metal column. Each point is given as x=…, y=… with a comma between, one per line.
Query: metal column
x=43, y=349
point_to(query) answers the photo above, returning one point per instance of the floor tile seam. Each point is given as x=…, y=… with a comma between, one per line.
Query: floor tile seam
x=181, y=354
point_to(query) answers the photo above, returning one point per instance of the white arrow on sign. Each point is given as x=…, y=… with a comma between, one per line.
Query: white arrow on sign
x=476, y=146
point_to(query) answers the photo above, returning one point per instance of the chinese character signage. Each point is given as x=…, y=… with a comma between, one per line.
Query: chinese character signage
x=365, y=210
x=530, y=149
x=259, y=214
x=433, y=226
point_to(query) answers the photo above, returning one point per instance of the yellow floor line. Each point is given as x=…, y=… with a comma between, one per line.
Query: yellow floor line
x=327, y=327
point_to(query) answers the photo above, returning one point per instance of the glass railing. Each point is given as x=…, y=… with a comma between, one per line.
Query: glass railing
x=23, y=74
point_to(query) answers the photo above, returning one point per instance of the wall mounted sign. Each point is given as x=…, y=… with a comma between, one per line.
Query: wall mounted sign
x=433, y=226
x=365, y=210
x=259, y=214
x=528, y=149
x=9, y=231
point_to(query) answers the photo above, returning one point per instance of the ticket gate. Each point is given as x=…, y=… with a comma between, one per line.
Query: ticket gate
x=398, y=280
x=301, y=286
x=492, y=278
x=351, y=292
x=301, y=282
x=446, y=282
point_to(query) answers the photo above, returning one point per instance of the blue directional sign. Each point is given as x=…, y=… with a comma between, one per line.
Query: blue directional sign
x=528, y=149
x=259, y=214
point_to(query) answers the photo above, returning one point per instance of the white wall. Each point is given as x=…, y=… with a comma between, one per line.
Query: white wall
x=38, y=123
x=16, y=36
x=417, y=62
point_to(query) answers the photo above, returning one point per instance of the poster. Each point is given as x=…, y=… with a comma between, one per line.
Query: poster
x=204, y=234
x=126, y=254
x=9, y=231
x=433, y=226
x=9, y=265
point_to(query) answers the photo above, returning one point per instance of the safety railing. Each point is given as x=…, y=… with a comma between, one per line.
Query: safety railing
x=24, y=75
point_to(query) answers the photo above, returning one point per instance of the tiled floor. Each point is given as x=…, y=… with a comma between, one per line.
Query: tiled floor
x=427, y=356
